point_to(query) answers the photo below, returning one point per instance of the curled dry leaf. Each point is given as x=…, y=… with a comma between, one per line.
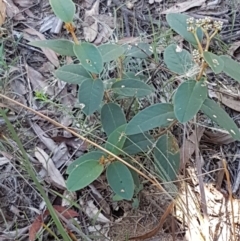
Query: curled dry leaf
x=188, y=148
x=2, y=12
x=93, y=212
x=234, y=47
x=50, y=54
x=38, y=81
x=229, y=98
x=218, y=138
x=54, y=174
x=182, y=7
x=71, y=141
x=91, y=31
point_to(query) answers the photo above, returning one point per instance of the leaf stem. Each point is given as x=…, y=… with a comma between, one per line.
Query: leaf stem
x=71, y=30
x=198, y=42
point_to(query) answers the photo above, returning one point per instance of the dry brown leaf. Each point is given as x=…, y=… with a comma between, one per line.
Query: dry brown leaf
x=54, y=174
x=2, y=12
x=218, y=138
x=50, y=54
x=233, y=48
x=38, y=81
x=24, y=3
x=229, y=98
x=91, y=31
x=38, y=222
x=13, y=11
x=182, y=7
x=230, y=102
x=188, y=148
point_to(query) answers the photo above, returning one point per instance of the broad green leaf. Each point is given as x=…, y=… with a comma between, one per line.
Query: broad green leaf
x=84, y=174
x=158, y=115
x=94, y=155
x=167, y=157
x=219, y=116
x=178, y=60
x=120, y=180
x=116, y=140
x=138, y=143
x=60, y=46
x=89, y=56
x=131, y=87
x=231, y=67
x=110, y=52
x=140, y=50
x=188, y=99
x=90, y=94
x=178, y=22
x=112, y=117
x=214, y=61
x=64, y=9
x=72, y=73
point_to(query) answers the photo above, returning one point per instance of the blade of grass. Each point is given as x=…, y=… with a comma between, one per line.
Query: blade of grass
x=32, y=174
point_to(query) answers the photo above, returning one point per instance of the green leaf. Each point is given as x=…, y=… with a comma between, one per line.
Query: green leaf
x=167, y=157
x=72, y=73
x=231, y=67
x=178, y=22
x=214, y=61
x=112, y=117
x=84, y=174
x=158, y=115
x=188, y=99
x=116, y=140
x=131, y=87
x=138, y=143
x=110, y=52
x=90, y=94
x=94, y=155
x=120, y=180
x=178, y=60
x=64, y=9
x=219, y=116
x=140, y=50
x=89, y=56
x=60, y=46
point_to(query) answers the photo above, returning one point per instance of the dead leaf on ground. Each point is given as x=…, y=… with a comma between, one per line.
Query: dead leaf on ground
x=24, y=3
x=188, y=148
x=54, y=174
x=183, y=7
x=229, y=97
x=39, y=220
x=97, y=28
x=13, y=11
x=50, y=54
x=91, y=31
x=235, y=47
x=74, y=142
x=2, y=12
x=218, y=138
x=38, y=81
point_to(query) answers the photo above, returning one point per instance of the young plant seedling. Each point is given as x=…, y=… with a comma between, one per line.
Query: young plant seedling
x=127, y=139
